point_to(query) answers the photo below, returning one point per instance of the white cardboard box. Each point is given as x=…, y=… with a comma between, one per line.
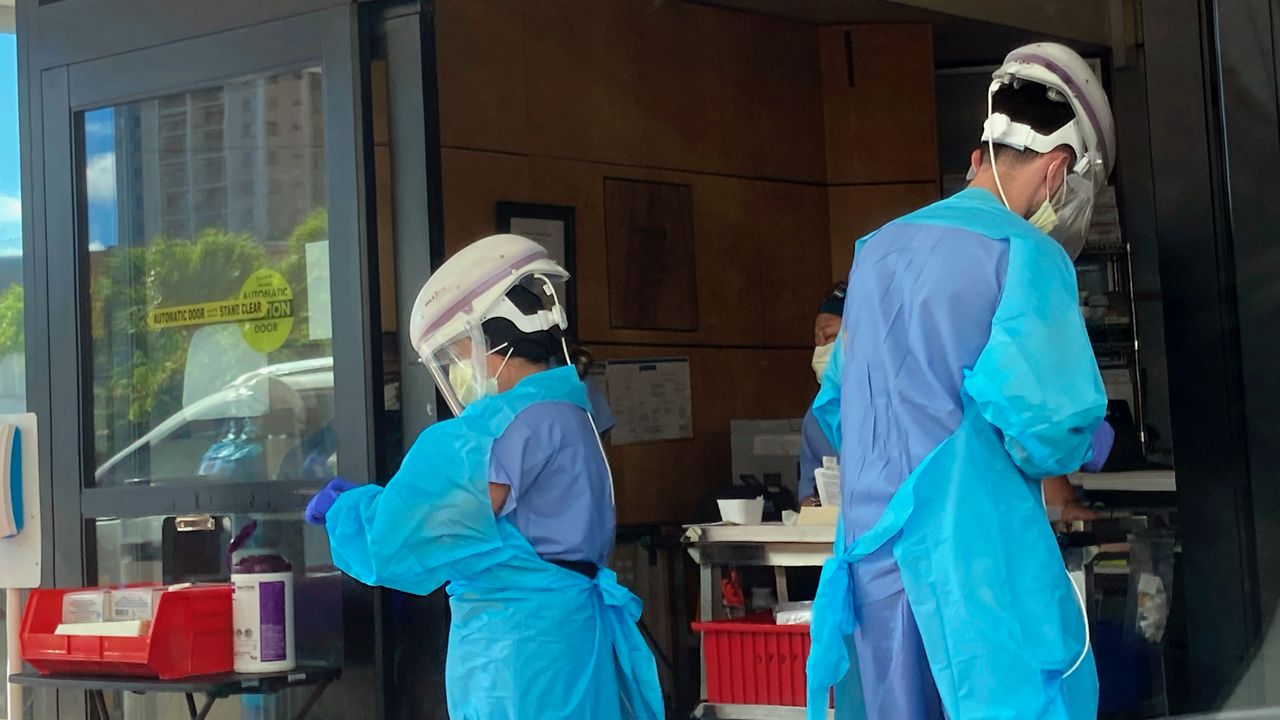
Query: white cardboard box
x=86, y=606
x=135, y=603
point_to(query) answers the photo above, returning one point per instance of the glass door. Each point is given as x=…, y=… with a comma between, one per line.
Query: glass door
x=220, y=365
x=210, y=313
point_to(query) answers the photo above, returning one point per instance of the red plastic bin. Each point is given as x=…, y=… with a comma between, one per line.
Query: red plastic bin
x=191, y=635
x=752, y=661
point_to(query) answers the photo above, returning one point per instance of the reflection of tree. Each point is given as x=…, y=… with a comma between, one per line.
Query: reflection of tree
x=313, y=228
x=139, y=371
x=12, y=329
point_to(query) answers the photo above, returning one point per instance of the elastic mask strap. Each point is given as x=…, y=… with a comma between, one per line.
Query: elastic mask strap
x=991, y=143
x=1048, y=196
x=1084, y=611
x=607, y=468
x=557, y=314
x=564, y=345
x=504, y=359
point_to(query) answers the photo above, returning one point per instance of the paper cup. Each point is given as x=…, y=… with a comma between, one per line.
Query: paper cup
x=742, y=512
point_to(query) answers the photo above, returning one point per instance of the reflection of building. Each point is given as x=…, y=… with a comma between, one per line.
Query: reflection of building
x=245, y=157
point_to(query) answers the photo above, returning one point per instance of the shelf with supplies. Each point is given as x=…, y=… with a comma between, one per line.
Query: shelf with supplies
x=1104, y=251
x=1114, y=347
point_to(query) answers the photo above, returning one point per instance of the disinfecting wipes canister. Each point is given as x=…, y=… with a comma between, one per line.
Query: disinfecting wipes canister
x=262, y=611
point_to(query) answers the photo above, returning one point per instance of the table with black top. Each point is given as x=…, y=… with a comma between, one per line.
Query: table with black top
x=212, y=687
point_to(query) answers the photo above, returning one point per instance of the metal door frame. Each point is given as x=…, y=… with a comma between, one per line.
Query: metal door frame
x=76, y=55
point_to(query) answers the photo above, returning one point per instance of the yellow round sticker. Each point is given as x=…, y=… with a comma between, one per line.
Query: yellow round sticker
x=267, y=333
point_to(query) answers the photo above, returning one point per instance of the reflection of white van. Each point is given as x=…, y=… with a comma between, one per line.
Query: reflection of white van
x=290, y=405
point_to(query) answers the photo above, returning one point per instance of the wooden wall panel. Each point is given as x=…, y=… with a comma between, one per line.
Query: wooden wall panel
x=650, y=247
x=661, y=85
x=880, y=108
x=386, y=240
x=541, y=102
x=480, y=56
x=379, y=102
x=856, y=210
x=762, y=248
x=382, y=196
x=474, y=182
x=664, y=482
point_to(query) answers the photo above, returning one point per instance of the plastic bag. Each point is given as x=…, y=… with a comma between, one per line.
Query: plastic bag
x=1150, y=583
x=793, y=613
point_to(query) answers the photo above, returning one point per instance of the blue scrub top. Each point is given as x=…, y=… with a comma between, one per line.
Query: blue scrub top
x=560, y=497
x=600, y=410
x=814, y=446
x=919, y=310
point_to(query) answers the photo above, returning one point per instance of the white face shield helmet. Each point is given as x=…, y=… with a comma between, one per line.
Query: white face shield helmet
x=1091, y=134
x=446, y=327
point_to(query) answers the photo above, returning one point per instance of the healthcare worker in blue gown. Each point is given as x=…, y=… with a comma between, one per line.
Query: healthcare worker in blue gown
x=966, y=377
x=814, y=444
x=510, y=504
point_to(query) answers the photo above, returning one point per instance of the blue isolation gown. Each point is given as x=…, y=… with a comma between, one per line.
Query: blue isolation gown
x=528, y=638
x=967, y=377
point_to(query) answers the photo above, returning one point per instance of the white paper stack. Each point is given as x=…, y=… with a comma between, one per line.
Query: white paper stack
x=827, y=478
x=119, y=628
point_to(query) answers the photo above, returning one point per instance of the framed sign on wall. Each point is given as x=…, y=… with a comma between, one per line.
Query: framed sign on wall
x=551, y=226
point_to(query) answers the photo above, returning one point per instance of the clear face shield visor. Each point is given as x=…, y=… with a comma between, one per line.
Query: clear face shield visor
x=461, y=368
x=460, y=365
x=1074, y=204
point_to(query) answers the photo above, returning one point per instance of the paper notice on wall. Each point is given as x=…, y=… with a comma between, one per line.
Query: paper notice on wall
x=319, y=306
x=652, y=400
x=787, y=444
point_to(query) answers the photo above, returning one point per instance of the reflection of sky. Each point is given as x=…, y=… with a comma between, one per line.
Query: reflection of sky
x=100, y=142
x=10, y=168
x=100, y=176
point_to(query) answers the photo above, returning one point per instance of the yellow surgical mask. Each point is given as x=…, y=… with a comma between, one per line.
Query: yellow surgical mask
x=463, y=381
x=822, y=358
x=1046, y=217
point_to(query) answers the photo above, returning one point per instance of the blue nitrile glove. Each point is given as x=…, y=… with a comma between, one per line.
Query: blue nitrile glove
x=1103, y=438
x=323, y=500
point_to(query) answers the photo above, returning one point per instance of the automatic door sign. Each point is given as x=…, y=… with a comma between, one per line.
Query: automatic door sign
x=211, y=313
x=264, y=311
x=268, y=332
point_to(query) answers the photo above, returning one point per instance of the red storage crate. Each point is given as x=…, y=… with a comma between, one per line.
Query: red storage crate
x=752, y=661
x=191, y=635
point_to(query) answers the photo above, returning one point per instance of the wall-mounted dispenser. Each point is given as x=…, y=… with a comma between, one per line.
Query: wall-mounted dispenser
x=11, y=514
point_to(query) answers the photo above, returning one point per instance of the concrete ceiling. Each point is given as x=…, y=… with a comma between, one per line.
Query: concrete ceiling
x=966, y=32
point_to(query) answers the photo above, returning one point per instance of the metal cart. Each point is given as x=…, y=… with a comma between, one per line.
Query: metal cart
x=213, y=688
x=768, y=545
